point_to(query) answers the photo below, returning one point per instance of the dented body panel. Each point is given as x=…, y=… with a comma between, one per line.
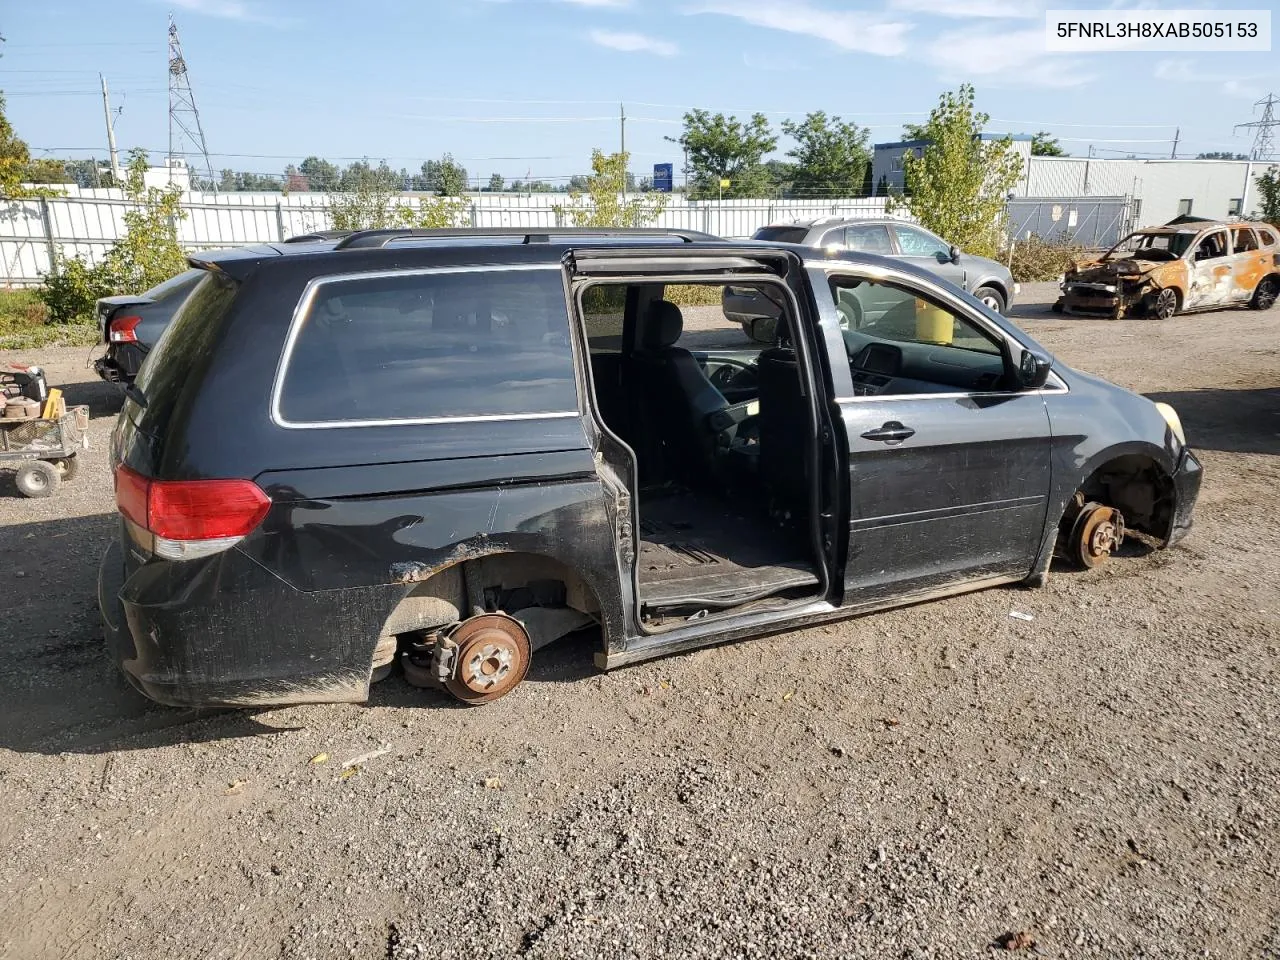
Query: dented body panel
x=1216, y=265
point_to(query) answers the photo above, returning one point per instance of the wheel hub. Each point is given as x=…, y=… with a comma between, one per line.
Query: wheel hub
x=493, y=657
x=1099, y=531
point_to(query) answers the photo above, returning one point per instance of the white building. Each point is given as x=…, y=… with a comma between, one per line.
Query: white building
x=174, y=171
x=1158, y=190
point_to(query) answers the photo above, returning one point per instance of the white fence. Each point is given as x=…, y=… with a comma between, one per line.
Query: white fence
x=87, y=222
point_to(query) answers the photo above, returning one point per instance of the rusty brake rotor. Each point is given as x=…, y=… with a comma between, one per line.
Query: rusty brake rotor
x=1097, y=532
x=493, y=655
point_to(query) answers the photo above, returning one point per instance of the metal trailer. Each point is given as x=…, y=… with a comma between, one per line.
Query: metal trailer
x=44, y=449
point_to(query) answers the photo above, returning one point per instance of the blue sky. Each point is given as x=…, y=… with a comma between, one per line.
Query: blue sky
x=528, y=87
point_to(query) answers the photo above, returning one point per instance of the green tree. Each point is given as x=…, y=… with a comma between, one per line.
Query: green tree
x=914, y=131
x=1221, y=155
x=602, y=205
x=958, y=186
x=47, y=171
x=496, y=183
x=15, y=159
x=1269, y=195
x=723, y=148
x=322, y=176
x=371, y=203
x=445, y=176
x=1043, y=145
x=781, y=176
x=832, y=157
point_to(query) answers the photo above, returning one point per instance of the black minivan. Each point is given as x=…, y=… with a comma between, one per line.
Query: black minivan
x=449, y=448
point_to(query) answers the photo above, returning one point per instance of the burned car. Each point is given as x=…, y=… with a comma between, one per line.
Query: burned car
x=1188, y=264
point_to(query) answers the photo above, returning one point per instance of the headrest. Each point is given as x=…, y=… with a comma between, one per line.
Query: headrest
x=662, y=326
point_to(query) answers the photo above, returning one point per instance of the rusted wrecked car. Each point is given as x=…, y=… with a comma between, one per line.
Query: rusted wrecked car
x=1188, y=264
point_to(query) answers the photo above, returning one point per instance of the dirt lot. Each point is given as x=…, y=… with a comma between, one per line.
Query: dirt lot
x=910, y=784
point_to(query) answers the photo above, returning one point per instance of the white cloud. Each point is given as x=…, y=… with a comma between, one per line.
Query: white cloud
x=225, y=9
x=1233, y=83
x=864, y=32
x=633, y=43
x=972, y=9
x=1013, y=57
x=1246, y=91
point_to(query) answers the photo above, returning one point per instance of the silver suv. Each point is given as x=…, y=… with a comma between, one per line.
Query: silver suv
x=987, y=280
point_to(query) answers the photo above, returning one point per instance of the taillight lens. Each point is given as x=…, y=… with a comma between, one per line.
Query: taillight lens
x=123, y=330
x=190, y=518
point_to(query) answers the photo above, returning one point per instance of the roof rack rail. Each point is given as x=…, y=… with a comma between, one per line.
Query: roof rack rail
x=318, y=235
x=373, y=239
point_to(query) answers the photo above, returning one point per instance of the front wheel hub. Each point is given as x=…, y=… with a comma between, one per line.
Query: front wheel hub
x=1096, y=534
x=493, y=654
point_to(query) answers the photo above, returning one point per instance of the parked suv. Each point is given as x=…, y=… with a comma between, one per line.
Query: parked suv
x=988, y=280
x=449, y=448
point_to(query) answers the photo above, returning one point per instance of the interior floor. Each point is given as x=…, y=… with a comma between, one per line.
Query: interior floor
x=697, y=545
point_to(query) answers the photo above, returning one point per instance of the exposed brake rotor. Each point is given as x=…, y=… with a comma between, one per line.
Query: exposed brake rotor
x=493, y=654
x=1097, y=532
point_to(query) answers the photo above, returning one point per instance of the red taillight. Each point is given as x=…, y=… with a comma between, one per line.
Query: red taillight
x=123, y=330
x=190, y=518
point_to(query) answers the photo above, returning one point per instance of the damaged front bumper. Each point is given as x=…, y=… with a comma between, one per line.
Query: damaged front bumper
x=1187, y=477
x=1114, y=300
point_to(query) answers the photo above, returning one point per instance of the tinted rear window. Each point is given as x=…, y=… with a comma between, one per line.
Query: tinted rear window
x=782, y=234
x=429, y=345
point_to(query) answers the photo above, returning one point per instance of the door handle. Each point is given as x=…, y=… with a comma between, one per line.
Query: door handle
x=891, y=433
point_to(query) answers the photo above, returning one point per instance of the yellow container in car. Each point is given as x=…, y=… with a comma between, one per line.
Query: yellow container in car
x=933, y=324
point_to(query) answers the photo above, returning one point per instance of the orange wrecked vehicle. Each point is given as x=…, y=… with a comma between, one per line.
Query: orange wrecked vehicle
x=1188, y=264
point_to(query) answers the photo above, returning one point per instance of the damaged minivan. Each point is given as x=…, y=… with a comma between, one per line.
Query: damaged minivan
x=1188, y=264
x=447, y=449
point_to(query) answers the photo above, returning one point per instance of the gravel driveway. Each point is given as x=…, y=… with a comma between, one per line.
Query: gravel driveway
x=1104, y=777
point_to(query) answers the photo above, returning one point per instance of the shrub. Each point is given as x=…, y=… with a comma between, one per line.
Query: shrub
x=148, y=254
x=1035, y=258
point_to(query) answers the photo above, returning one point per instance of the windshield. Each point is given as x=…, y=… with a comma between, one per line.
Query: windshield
x=1152, y=246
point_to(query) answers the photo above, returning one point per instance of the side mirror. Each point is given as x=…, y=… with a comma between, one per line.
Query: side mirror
x=762, y=329
x=1033, y=370
x=954, y=254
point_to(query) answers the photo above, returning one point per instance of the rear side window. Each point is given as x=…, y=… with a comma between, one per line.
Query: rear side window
x=178, y=286
x=1268, y=238
x=184, y=348
x=427, y=346
x=782, y=234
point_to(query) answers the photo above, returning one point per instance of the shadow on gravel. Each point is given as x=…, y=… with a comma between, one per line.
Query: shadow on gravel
x=59, y=690
x=103, y=399
x=1235, y=421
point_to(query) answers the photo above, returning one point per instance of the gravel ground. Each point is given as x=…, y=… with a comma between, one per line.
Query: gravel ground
x=916, y=783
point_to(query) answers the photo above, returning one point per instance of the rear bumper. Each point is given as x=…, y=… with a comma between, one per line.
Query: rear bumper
x=120, y=363
x=1186, y=482
x=224, y=632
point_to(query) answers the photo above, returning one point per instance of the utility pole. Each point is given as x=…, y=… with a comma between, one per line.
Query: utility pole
x=1177, y=133
x=622, y=132
x=111, y=132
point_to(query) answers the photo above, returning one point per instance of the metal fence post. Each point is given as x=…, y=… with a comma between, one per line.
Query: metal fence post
x=47, y=217
x=280, y=221
x=473, y=213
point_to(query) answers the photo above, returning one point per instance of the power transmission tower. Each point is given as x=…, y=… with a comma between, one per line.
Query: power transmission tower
x=1264, y=143
x=184, y=118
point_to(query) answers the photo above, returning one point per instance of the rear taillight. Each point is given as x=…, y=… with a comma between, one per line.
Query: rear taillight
x=185, y=519
x=123, y=330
